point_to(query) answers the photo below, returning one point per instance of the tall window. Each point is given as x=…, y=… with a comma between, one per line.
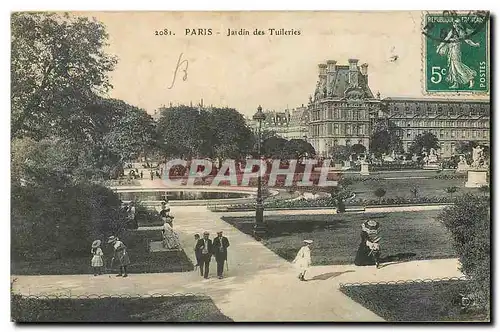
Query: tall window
x=408, y=133
x=441, y=133
x=453, y=134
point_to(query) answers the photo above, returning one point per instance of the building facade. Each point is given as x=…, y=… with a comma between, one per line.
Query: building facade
x=450, y=120
x=343, y=111
x=342, y=108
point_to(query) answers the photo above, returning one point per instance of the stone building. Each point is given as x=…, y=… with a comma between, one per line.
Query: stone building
x=342, y=108
x=450, y=120
x=289, y=124
x=343, y=111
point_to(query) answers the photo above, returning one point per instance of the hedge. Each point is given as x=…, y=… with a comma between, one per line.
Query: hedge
x=469, y=224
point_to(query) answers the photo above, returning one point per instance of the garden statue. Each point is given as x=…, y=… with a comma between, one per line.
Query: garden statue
x=350, y=158
x=393, y=154
x=432, y=155
x=477, y=157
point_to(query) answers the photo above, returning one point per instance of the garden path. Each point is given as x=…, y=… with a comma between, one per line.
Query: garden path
x=259, y=286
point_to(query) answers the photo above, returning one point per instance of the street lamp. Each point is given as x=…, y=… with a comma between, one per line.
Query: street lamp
x=259, y=228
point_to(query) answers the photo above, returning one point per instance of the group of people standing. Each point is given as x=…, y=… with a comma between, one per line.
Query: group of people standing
x=120, y=256
x=205, y=248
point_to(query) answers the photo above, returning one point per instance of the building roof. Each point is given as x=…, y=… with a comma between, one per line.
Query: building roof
x=437, y=100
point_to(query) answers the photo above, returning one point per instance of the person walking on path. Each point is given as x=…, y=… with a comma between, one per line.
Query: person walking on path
x=197, y=251
x=152, y=175
x=369, y=249
x=220, y=245
x=205, y=247
x=142, y=175
x=303, y=259
x=97, y=257
x=120, y=255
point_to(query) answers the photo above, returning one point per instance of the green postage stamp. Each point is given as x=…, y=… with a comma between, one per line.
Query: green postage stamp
x=456, y=52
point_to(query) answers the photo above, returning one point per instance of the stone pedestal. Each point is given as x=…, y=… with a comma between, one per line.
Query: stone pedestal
x=347, y=164
x=364, y=169
x=338, y=166
x=476, y=178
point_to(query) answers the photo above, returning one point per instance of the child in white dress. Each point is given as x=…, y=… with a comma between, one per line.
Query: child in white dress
x=303, y=259
x=97, y=257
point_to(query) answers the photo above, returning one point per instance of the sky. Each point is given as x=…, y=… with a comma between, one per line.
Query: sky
x=247, y=71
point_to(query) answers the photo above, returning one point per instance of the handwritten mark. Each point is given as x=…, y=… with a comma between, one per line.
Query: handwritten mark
x=179, y=63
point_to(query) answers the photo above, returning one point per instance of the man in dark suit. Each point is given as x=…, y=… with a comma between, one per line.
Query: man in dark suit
x=220, y=245
x=205, y=247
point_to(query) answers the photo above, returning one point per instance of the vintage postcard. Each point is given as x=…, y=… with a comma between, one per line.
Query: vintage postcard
x=250, y=166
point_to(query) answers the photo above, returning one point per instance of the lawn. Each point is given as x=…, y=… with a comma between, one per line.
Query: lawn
x=110, y=309
x=402, y=187
x=405, y=235
x=142, y=261
x=436, y=301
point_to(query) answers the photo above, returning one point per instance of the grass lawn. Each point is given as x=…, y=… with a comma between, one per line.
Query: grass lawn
x=157, y=309
x=402, y=187
x=141, y=260
x=415, y=235
x=414, y=302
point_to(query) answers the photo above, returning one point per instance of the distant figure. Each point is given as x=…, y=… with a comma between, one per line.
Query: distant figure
x=197, y=251
x=97, y=257
x=120, y=255
x=220, y=245
x=132, y=216
x=303, y=259
x=167, y=217
x=151, y=174
x=205, y=247
x=158, y=174
x=142, y=175
x=369, y=248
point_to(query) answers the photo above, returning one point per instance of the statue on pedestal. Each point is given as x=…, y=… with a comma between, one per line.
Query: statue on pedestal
x=477, y=157
x=432, y=155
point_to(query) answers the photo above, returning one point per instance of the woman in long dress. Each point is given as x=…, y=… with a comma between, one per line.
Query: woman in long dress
x=369, y=249
x=458, y=72
x=303, y=259
x=170, y=238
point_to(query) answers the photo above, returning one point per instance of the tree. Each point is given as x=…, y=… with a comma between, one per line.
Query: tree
x=468, y=221
x=185, y=132
x=358, y=149
x=341, y=192
x=340, y=153
x=380, y=192
x=135, y=134
x=58, y=67
x=298, y=148
x=385, y=141
x=451, y=190
x=423, y=141
x=231, y=136
x=275, y=147
x=465, y=147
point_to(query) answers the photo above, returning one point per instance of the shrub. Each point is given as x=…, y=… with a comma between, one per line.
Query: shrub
x=469, y=223
x=57, y=220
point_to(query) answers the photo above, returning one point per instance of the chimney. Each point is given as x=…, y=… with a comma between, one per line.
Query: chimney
x=353, y=72
x=322, y=75
x=364, y=69
x=331, y=68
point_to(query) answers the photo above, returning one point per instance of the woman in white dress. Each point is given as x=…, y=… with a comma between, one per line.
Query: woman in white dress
x=303, y=259
x=170, y=238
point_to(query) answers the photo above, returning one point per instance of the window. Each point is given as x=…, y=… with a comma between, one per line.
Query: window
x=441, y=133
x=336, y=128
x=348, y=142
x=408, y=133
x=453, y=134
x=452, y=147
